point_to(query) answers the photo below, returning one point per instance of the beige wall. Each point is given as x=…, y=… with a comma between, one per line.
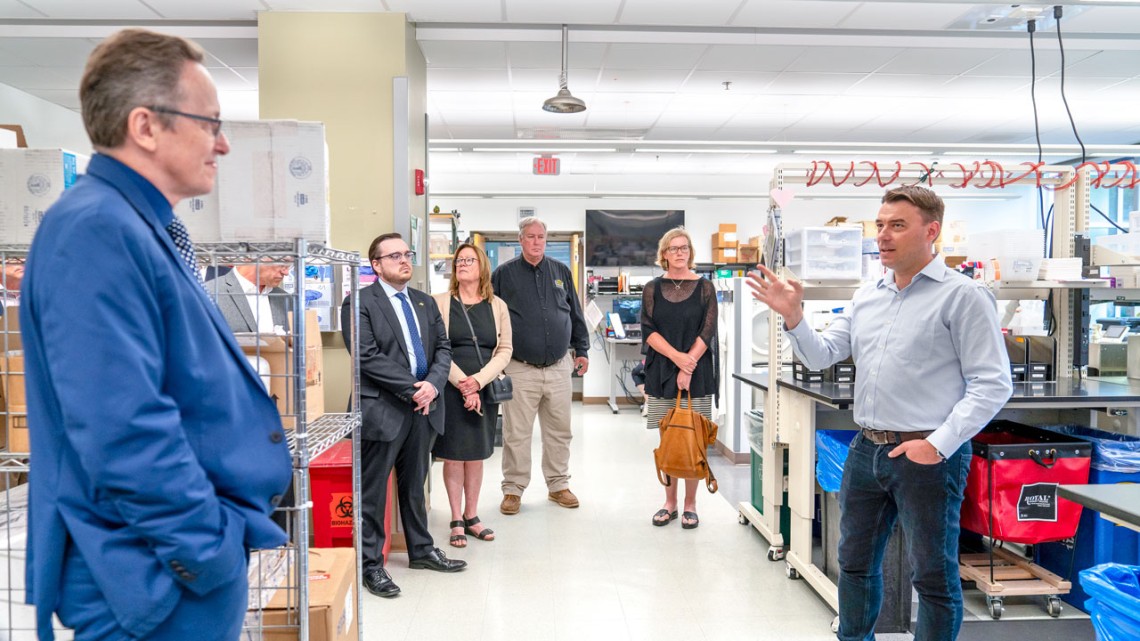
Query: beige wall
x=337, y=68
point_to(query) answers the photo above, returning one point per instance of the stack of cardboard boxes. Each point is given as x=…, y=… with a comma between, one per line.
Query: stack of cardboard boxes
x=13, y=401
x=724, y=244
x=278, y=352
x=749, y=253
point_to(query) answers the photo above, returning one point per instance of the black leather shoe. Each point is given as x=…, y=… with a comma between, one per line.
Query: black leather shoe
x=378, y=582
x=438, y=561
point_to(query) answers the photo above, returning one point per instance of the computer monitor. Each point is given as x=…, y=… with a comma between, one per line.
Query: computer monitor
x=628, y=308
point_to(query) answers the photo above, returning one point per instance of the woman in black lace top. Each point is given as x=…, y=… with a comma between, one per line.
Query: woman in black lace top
x=678, y=321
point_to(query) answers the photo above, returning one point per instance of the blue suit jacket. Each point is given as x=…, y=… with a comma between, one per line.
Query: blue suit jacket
x=155, y=448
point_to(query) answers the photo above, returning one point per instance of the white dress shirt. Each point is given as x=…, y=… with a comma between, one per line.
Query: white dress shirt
x=399, y=309
x=258, y=302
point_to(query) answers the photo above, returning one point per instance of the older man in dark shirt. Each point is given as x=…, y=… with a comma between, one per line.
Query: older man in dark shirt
x=546, y=319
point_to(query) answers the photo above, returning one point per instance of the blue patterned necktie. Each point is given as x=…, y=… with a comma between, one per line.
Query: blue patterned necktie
x=417, y=343
x=181, y=238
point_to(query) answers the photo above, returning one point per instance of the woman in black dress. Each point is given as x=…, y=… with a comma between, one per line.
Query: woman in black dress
x=479, y=327
x=678, y=321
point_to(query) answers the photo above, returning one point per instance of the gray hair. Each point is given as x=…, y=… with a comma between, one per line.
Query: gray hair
x=528, y=221
x=132, y=68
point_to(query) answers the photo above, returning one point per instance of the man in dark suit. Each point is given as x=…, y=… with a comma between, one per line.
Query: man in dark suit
x=404, y=358
x=157, y=454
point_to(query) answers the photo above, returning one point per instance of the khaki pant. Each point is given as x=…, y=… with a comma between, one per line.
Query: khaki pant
x=547, y=393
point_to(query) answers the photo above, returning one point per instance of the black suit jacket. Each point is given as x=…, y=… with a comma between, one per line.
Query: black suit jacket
x=386, y=382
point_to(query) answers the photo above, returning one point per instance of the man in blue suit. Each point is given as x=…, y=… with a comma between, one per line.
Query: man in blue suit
x=157, y=455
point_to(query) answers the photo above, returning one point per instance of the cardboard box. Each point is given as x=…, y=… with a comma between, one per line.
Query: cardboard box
x=755, y=241
x=272, y=186
x=724, y=255
x=748, y=254
x=870, y=229
x=727, y=228
x=332, y=601
x=31, y=180
x=724, y=240
x=277, y=352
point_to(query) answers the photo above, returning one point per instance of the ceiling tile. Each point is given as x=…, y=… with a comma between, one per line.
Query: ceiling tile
x=653, y=56
x=469, y=80
x=762, y=121
x=882, y=84
x=578, y=12
x=483, y=133
x=813, y=83
x=227, y=80
x=458, y=54
x=713, y=82
x=987, y=87
x=101, y=10
x=624, y=80
x=50, y=52
x=68, y=98
x=239, y=105
x=231, y=52
x=30, y=79
x=449, y=10
x=683, y=118
x=624, y=119
x=793, y=13
x=641, y=101
x=1017, y=63
x=546, y=80
x=249, y=74
x=471, y=118
x=207, y=9
x=13, y=9
x=12, y=58
x=844, y=59
x=1105, y=64
x=675, y=12
x=731, y=132
x=939, y=60
x=750, y=58
x=912, y=16
x=475, y=100
x=548, y=55
x=536, y=117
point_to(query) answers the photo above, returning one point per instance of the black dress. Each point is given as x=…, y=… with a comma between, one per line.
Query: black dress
x=681, y=311
x=466, y=435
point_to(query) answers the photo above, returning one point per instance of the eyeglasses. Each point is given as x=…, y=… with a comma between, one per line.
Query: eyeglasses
x=466, y=261
x=678, y=249
x=215, y=123
x=396, y=257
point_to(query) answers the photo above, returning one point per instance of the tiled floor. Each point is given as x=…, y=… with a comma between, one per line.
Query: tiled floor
x=600, y=572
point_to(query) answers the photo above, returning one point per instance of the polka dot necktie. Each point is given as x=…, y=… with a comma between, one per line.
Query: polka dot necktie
x=417, y=343
x=181, y=238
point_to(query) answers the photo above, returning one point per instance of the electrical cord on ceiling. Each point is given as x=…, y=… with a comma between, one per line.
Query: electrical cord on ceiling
x=1032, y=28
x=1073, y=123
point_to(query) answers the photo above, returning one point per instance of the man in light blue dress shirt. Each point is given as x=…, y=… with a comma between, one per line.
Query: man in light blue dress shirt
x=931, y=372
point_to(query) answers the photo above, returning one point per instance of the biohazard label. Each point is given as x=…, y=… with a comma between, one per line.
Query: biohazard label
x=340, y=509
x=1038, y=502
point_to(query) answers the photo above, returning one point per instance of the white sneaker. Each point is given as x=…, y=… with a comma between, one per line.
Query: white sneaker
x=645, y=409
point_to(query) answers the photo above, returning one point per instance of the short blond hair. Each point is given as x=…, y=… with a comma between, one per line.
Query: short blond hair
x=663, y=244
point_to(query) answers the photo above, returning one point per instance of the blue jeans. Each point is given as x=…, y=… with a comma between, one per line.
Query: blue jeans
x=926, y=501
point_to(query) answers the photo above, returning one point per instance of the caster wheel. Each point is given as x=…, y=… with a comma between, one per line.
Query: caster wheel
x=775, y=554
x=993, y=604
x=1053, y=607
x=740, y=518
x=791, y=571
x=835, y=625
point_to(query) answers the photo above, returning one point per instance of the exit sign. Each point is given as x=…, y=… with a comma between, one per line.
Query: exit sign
x=545, y=166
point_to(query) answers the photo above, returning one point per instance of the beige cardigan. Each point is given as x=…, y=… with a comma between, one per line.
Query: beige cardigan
x=502, y=354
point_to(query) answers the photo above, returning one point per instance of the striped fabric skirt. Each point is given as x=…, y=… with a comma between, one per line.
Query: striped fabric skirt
x=659, y=407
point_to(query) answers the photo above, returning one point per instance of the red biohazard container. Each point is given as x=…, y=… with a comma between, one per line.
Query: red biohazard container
x=1011, y=492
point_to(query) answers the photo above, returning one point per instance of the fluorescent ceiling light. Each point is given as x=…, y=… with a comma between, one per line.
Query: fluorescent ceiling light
x=1024, y=154
x=445, y=149
x=542, y=150
x=705, y=151
x=866, y=152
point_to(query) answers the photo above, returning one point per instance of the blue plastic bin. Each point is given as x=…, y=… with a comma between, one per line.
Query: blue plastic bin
x=1114, y=600
x=831, y=448
x=1115, y=459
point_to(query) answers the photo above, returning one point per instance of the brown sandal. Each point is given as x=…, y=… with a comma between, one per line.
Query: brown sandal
x=486, y=534
x=457, y=540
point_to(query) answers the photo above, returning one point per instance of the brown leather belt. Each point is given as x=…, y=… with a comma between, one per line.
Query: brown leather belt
x=883, y=437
